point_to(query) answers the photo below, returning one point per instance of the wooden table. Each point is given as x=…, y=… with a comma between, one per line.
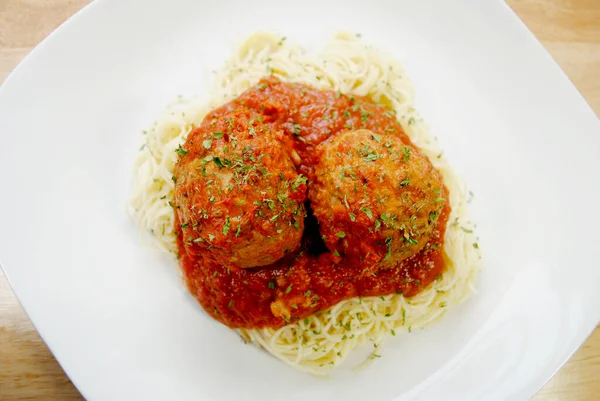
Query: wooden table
x=569, y=29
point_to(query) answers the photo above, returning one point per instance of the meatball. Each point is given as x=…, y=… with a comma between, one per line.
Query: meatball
x=238, y=198
x=377, y=200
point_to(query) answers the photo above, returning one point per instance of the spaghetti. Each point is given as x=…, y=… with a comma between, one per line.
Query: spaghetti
x=324, y=339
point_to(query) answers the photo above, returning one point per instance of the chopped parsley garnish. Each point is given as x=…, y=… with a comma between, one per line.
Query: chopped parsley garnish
x=340, y=234
x=433, y=216
x=405, y=182
x=227, y=226
x=289, y=289
x=218, y=135
x=218, y=162
x=181, y=151
x=352, y=216
x=299, y=181
x=412, y=241
x=296, y=129
x=371, y=156
x=368, y=212
x=364, y=116
x=271, y=284
x=207, y=143
x=406, y=154
x=388, y=243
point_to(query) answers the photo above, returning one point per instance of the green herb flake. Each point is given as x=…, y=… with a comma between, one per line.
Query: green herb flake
x=406, y=154
x=352, y=216
x=368, y=212
x=180, y=151
x=207, y=143
x=340, y=234
x=271, y=284
x=371, y=156
x=218, y=162
x=227, y=226
x=296, y=129
x=299, y=181
x=289, y=289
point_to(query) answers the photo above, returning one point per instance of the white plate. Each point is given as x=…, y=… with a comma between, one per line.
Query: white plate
x=116, y=315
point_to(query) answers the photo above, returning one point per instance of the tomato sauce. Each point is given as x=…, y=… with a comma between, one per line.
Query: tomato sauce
x=309, y=280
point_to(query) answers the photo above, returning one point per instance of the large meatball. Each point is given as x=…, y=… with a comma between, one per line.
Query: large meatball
x=377, y=200
x=238, y=198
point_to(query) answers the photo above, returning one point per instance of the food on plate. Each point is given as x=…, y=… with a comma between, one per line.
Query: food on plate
x=239, y=198
x=306, y=202
x=379, y=190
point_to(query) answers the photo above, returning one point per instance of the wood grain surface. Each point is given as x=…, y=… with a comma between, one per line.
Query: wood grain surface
x=569, y=29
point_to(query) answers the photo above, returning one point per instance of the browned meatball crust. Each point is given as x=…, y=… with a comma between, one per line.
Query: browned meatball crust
x=238, y=197
x=377, y=200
